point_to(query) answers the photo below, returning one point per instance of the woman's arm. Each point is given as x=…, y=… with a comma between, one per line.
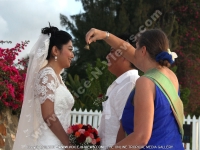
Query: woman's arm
x=123, y=47
x=53, y=122
x=121, y=133
x=143, y=115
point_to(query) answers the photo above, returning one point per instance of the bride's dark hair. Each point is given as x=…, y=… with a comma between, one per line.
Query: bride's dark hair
x=58, y=38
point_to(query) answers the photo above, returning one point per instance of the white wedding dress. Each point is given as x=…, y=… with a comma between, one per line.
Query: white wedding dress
x=48, y=86
x=42, y=84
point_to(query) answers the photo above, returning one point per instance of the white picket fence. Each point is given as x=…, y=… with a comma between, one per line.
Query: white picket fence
x=195, y=132
x=94, y=118
x=86, y=117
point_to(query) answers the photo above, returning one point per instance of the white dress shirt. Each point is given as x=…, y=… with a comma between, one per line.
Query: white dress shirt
x=113, y=107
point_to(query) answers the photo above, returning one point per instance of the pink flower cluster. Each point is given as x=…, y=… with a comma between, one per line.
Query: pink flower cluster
x=12, y=77
x=188, y=17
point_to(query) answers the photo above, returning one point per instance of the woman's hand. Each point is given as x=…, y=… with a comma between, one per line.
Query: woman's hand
x=94, y=34
x=124, y=48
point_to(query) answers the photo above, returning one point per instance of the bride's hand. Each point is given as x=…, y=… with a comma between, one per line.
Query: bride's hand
x=94, y=34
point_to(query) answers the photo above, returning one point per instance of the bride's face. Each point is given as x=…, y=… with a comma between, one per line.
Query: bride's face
x=66, y=55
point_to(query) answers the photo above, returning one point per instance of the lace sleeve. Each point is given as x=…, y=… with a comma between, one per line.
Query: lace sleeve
x=46, y=85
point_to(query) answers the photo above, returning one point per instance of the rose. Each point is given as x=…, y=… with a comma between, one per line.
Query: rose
x=80, y=126
x=81, y=138
x=88, y=140
x=87, y=133
x=69, y=130
x=98, y=139
x=75, y=128
x=82, y=131
x=94, y=141
x=91, y=135
x=77, y=134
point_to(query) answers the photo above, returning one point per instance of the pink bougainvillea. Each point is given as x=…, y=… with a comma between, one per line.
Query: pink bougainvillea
x=187, y=14
x=12, y=77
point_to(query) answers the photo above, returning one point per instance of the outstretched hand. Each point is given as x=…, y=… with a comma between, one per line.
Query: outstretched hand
x=94, y=34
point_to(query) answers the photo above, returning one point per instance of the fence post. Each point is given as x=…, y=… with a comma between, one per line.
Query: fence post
x=95, y=121
x=198, y=133
x=187, y=121
x=79, y=116
x=194, y=138
x=85, y=117
x=90, y=118
x=74, y=117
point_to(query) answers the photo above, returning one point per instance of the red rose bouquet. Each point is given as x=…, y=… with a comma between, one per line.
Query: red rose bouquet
x=84, y=137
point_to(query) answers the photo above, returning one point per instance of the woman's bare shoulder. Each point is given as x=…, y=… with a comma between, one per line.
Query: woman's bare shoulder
x=171, y=76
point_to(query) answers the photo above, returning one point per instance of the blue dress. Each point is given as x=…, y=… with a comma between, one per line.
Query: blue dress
x=165, y=133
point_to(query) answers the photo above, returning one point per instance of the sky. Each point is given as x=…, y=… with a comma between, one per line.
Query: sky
x=22, y=20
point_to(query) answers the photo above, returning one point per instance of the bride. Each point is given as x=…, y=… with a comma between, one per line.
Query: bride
x=45, y=113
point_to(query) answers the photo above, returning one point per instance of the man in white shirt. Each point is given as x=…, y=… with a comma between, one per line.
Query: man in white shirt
x=117, y=95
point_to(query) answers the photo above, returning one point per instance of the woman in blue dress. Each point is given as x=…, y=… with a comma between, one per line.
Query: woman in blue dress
x=153, y=115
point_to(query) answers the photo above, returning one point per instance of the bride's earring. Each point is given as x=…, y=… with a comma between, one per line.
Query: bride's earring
x=56, y=58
